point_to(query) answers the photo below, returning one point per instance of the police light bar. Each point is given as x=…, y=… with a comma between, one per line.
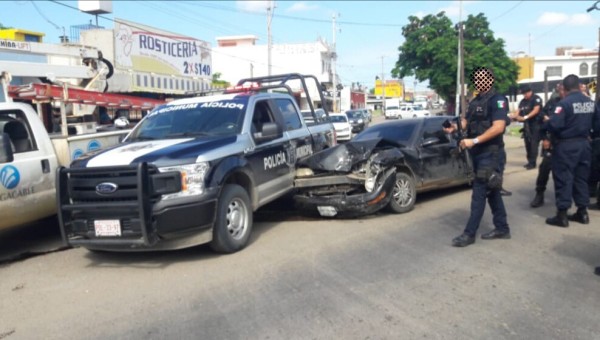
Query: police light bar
x=246, y=87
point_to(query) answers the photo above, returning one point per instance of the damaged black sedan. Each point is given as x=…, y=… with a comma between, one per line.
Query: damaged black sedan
x=385, y=166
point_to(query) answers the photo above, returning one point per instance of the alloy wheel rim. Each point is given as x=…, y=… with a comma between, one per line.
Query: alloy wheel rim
x=403, y=193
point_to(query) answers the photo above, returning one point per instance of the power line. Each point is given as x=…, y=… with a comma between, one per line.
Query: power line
x=290, y=17
x=508, y=11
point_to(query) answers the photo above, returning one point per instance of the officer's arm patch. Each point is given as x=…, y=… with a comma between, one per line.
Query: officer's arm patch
x=558, y=110
x=501, y=104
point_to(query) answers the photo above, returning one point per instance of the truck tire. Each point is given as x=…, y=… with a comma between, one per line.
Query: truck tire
x=234, y=220
x=404, y=194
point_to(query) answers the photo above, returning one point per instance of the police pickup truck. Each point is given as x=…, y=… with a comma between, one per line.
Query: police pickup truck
x=192, y=171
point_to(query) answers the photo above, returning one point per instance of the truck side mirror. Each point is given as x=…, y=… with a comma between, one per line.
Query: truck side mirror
x=270, y=131
x=6, y=152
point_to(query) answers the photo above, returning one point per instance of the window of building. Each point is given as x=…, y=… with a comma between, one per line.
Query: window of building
x=138, y=80
x=583, y=69
x=554, y=71
x=595, y=68
x=31, y=38
x=145, y=81
x=151, y=81
x=158, y=83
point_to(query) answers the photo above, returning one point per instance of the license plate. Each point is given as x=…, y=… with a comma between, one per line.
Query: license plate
x=107, y=227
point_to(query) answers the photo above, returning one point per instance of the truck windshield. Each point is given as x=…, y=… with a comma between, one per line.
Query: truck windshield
x=216, y=118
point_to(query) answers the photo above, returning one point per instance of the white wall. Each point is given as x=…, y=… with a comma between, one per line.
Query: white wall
x=237, y=62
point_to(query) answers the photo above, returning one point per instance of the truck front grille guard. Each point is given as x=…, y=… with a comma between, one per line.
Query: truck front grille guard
x=67, y=207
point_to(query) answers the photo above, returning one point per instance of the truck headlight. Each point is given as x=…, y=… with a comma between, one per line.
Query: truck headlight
x=192, y=179
x=360, y=121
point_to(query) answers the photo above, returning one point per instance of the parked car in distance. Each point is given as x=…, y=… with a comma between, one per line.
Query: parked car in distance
x=342, y=126
x=367, y=115
x=392, y=112
x=309, y=119
x=413, y=111
x=386, y=165
x=357, y=120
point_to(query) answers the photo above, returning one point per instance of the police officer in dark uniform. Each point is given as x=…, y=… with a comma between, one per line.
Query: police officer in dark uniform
x=594, y=181
x=546, y=165
x=570, y=126
x=485, y=122
x=529, y=109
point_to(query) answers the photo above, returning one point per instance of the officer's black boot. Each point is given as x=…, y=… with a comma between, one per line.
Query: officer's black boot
x=560, y=220
x=538, y=200
x=580, y=216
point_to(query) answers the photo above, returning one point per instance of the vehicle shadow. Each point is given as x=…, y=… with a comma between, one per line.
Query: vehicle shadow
x=581, y=248
x=34, y=239
x=265, y=219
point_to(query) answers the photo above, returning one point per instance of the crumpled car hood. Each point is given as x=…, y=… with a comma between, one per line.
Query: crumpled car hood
x=343, y=157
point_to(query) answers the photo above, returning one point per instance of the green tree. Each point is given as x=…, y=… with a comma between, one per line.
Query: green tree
x=430, y=52
x=217, y=82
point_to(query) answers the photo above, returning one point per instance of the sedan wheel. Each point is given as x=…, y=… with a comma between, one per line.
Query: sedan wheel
x=404, y=194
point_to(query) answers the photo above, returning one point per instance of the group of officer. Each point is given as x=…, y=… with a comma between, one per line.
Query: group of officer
x=568, y=125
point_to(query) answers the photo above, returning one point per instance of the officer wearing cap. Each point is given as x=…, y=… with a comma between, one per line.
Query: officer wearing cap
x=485, y=122
x=570, y=126
x=546, y=164
x=529, y=108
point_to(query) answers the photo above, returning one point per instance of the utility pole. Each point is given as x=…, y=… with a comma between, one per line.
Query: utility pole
x=458, y=66
x=463, y=97
x=333, y=71
x=382, y=88
x=270, y=11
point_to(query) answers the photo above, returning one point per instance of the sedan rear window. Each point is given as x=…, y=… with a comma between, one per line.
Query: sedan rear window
x=400, y=134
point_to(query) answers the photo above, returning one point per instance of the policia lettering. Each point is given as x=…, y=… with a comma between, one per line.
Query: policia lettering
x=275, y=160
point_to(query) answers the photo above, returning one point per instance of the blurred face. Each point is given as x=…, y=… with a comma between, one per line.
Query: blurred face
x=482, y=79
x=528, y=94
x=582, y=87
x=561, y=91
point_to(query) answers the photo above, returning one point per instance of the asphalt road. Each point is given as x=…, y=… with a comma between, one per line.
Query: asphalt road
x=380, y=277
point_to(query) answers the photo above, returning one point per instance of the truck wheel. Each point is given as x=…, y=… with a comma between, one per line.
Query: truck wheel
x=404, y=194
x=234, y=220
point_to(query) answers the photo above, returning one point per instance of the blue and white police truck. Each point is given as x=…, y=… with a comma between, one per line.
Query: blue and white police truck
x=193, y=171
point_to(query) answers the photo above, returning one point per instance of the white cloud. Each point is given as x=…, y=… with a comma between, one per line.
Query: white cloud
x=582, y=19
x=253, y=5
x=419, y=14
x=554, y=18
x=453, y=10
x=301, y=6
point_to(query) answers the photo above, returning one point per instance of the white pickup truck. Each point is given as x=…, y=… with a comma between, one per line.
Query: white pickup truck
x=29, y=157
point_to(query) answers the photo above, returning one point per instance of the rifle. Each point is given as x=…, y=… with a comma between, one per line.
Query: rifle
x=460, y=135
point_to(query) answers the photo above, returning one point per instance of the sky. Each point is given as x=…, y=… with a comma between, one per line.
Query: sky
x=368, y=32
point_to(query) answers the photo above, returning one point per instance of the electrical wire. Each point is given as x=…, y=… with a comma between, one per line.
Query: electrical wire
x=45, y=18
x=508, y=11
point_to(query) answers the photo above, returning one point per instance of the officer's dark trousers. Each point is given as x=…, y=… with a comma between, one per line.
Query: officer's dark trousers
x=570, y=172
x=532, y=141
x=481, y=194
x=594, y=180
x=544, y=172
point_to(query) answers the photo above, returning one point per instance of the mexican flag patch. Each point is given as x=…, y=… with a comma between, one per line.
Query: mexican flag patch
x=501, y=104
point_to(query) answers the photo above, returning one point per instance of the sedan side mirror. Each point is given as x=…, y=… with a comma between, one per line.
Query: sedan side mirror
x=6, y=152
